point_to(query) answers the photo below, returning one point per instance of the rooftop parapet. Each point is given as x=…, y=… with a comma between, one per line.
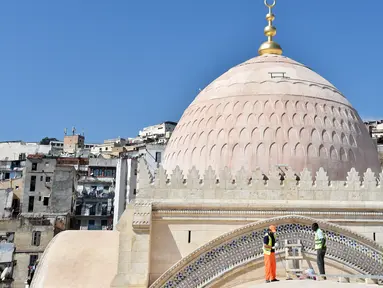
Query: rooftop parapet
x=280, y=184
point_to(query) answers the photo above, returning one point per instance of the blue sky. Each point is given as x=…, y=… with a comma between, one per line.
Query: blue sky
x=113, y=67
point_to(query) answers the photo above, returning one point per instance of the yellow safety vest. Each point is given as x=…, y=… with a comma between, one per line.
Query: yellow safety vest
x=318, y=241
x=267, y=251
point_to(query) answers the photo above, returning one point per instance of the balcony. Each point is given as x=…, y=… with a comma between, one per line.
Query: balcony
x=96, y=180
x=94, y=227
x=93, y=209
x=96, y=194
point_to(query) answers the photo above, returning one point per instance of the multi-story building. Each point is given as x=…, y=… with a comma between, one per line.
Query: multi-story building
x=11, y=169
x=59, y=146
x=48, y=187
x=95, y=195
x=111, y=147
x=72, y=146
x=11, y=173
x=7, y=261
x=47, y=206
x=19, y=150
x=159, y=132
x=29, y=236
x=152, y=152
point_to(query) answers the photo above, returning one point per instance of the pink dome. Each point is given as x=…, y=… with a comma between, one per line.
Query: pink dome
x=268, y=111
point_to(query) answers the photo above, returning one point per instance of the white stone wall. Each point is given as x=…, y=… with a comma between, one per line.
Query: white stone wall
x=367, y=229
x=170, y=241
x=12, y=150
x=184, y=210
x=126, y=186
x=150, y=151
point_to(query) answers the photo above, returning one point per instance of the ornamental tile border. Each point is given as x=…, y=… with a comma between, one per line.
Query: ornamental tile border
x=245, y=244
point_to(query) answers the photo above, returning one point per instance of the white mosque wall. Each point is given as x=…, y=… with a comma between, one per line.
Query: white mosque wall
x=171, y=242
x=194, y=208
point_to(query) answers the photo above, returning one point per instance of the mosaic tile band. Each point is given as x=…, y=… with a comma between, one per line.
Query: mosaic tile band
x=248, y=247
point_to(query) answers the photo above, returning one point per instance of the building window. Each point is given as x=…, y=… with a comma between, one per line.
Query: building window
x=7, y=176
x=189, y=237
x=17, y=187
x=36, y=237
x=104, y=209
x=158, y=157
x=134, y=191
x=34, y=166
x=32, y=186
x=78, y=208
x=33, y=259
x=15, y=205
x=103, y=172
x=109, y=173
x=41, y=178
x=104, y=222
x=46, y=201
x=96, y=172
x=92, y=210
x=106, y=188
x=48, y=179
x=31, y=203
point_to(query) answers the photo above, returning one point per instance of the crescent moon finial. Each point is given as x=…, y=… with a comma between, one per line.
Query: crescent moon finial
x=270, y=5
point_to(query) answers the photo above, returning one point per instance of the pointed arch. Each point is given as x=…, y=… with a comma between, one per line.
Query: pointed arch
x=243, y=246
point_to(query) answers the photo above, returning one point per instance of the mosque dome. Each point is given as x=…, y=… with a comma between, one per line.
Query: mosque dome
x=271, y=111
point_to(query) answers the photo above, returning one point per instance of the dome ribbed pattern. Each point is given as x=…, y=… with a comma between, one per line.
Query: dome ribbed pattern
x=271, y=111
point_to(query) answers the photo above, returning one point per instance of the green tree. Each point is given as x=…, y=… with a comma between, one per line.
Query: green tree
x=47, y=140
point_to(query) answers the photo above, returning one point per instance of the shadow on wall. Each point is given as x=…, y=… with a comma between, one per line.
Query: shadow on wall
x=164, y=251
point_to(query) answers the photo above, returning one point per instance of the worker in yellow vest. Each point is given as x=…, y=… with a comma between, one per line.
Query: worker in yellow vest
x=269, y=245
x=320, y=247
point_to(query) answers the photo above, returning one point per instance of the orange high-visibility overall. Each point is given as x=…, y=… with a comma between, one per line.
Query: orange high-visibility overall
x=270, y=263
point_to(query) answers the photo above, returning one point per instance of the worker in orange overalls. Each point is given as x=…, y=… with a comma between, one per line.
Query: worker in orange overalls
x=269, y=254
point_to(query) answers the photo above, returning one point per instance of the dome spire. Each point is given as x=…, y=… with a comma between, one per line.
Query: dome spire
x=270, y=47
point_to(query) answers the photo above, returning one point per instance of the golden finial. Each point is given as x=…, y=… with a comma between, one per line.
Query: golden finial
x=270, y=47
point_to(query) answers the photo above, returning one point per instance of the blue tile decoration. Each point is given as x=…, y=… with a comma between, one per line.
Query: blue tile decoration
x=248, y=247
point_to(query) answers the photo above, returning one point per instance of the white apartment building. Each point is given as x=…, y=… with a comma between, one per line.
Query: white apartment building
x=19, y=150
x=162, y=130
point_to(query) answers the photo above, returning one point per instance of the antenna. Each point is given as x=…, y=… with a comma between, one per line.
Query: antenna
x=73, y=130
x=65, y=131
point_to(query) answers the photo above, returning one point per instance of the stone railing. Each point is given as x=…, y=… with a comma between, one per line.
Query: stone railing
x=280, y=184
